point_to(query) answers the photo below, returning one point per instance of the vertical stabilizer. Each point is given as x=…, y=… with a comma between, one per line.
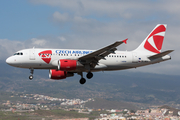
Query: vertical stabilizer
x=153, y=42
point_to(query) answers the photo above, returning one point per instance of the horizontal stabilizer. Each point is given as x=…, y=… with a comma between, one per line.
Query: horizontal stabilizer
x=160, y=54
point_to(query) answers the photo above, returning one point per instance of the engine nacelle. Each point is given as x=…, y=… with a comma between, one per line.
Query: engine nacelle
x=67, y=65
x=58, y=74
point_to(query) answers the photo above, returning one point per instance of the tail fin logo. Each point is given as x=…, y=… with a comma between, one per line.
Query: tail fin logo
x=155, y=40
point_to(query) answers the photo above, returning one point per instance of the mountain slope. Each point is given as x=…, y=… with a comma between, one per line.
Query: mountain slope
x=115, y=86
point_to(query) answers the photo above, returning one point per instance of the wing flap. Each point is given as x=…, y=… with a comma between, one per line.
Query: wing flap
x=160, y=54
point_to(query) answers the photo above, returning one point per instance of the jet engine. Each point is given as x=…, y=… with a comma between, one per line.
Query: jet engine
x=58, y=74
x=67, y=64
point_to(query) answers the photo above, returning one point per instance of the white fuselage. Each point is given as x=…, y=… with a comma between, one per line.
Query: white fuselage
x=34, y=58
x=64, y=63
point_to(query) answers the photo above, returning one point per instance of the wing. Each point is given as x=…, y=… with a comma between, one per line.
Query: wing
x=94, y=57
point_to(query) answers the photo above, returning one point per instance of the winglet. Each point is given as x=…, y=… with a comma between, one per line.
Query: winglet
x=125, y=41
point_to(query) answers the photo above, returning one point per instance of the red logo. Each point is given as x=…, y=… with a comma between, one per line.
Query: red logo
x=46, y=56
x=154, y=41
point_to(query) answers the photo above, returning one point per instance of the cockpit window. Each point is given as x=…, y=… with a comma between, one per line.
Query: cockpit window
x=18, y=53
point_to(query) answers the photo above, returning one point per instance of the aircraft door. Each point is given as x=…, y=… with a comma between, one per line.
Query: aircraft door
x=32, y=54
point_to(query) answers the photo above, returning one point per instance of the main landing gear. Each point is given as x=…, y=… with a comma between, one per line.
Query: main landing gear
x=31, y=71
x=89, y=75
x=83, y=80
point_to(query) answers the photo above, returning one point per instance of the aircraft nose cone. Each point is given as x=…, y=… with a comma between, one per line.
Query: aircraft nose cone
x=9, y=61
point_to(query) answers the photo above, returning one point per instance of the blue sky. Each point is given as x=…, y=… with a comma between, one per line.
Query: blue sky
x=88, y=24
x=21, y=20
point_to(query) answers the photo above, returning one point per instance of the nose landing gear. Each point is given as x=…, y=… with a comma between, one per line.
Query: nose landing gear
x=31, y=77
x=31, y=71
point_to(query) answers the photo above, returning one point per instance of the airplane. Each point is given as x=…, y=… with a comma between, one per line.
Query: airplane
x=63, y=63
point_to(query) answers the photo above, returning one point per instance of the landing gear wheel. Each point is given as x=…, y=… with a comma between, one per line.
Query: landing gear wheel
x=31, y=71
x=89, y=75
x=82, y=81
x=31, y=77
